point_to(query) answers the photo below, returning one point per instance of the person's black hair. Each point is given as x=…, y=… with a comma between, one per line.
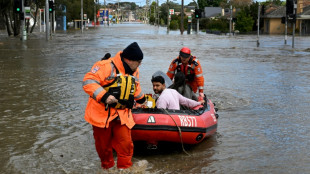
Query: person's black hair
x=159, y=79
x=179, y=80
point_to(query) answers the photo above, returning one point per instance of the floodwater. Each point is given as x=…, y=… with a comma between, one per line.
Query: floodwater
x=262, y=95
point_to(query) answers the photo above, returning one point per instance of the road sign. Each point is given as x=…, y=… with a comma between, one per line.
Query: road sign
x=27, y=12
x=171, y=11
x=189, y=19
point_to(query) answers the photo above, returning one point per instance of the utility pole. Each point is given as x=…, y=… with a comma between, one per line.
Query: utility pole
x=95, y=14
x=230, y=20
x=22, y=22
x=294, y=22
x=285, y=37
x=118, y=12
x=258, y=13
x=82, y=16
x=47, y=21
x=53, y=18
x=168, y=16
x=182, y=17
x=197, y=19
x=157, y=10
x=105, y=14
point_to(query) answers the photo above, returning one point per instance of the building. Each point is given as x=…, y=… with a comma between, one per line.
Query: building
x=272, y=20
x=211, y=12
x=273, y=23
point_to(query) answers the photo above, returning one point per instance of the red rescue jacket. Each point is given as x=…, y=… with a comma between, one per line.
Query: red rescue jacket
x=102, y=74
x=192, y=71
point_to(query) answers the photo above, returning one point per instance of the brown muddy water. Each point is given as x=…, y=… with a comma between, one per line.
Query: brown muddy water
x=262, y=95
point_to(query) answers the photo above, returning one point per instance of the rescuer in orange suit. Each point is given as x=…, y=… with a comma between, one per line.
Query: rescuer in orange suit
x=113, y=85
x=191, y=67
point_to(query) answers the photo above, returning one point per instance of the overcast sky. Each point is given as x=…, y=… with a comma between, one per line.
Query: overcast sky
x=142, y=2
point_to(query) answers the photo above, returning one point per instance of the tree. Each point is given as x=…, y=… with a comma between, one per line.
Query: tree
x=241, y=3
x=275, y=2
x=236, y=3
x=209, y=3
x=38, y=4
x=244, y=22
x=6, y=11
x=153, y=12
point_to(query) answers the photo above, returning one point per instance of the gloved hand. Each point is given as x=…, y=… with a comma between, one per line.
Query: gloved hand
x=111, y=99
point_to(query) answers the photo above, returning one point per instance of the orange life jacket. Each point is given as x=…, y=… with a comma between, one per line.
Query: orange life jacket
x=103, y=73
x=193, y=72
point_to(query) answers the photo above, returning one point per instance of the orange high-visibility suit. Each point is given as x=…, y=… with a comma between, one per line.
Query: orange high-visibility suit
x=112, y=127
x=192, y=71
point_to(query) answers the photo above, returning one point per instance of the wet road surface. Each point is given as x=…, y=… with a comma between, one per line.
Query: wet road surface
x=262, y=95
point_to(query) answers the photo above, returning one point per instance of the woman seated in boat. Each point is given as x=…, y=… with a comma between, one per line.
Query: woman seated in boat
x=170, y=98
x=182, y=87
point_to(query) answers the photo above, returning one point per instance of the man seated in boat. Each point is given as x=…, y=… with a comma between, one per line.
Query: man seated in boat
x=180, y=85
x=170, y=98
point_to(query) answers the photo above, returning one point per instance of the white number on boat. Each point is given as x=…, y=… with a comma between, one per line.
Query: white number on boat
x=188, y=121
x=214, y=118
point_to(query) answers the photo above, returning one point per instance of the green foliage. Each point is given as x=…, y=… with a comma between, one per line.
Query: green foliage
x=163, y=14
x=74, y=8
x=174, y=17
x=220, y=24
x=174, y=25
x=202, y=22
x=274, y=2
x=152, y=20
x=162, y=22
x=152, y=9
x=184, y=22
x=244, y=22
x=164, y=10
x=208, y=3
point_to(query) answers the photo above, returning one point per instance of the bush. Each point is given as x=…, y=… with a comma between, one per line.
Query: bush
x=152, y=20
x=162, y=22
x=218, y=25
x=244, y=22
x=174, y=25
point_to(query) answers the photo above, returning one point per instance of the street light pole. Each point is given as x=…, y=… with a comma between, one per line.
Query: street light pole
x=182, y=18
x=95, y=1
x=230, y=20
x=197, y=19
x=285, y=37
x=82, y=16
x=118, y=12
x=168, y=16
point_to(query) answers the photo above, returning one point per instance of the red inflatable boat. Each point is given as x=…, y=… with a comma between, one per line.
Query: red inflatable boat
x=181, y=126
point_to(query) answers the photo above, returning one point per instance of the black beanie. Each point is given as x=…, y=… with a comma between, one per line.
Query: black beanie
x=133, y=52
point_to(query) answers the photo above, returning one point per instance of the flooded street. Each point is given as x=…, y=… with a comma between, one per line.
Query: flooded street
x=262, y=95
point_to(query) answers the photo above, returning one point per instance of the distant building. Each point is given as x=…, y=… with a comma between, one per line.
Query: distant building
x=272, y=20
x=273, y=16
x=210, y=12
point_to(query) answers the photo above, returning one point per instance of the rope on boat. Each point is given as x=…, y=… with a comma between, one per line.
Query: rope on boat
x=180, y=133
